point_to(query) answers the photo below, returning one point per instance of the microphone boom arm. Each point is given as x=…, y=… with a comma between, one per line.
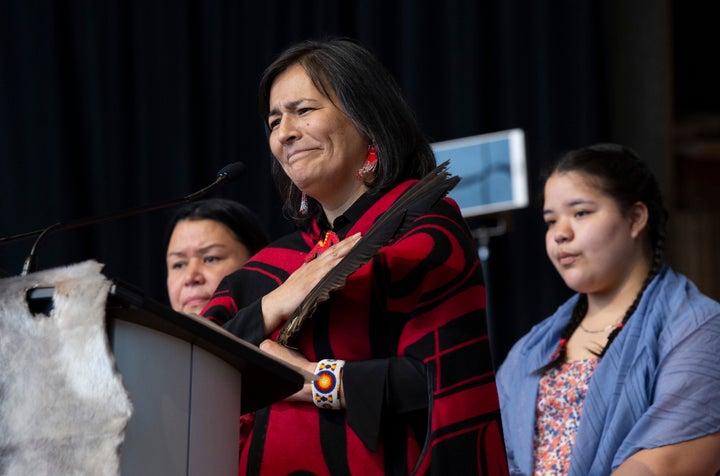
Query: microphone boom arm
x=227, y=173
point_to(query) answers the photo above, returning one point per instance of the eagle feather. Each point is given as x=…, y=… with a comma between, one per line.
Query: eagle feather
x=394, y=222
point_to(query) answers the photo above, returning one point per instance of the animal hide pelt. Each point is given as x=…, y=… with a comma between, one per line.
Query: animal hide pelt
x=63, y=407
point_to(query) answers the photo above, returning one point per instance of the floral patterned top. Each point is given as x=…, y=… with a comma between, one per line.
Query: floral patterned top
x=558, y=408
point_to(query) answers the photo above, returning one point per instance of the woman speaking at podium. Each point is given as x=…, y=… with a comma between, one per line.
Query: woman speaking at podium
x=405, y=383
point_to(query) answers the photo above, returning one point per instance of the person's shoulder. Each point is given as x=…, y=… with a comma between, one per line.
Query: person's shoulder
x=545, y=334
x=677, y=309
x=288, y=240
x=678, y=295
x=538, y=332
x=283, y=252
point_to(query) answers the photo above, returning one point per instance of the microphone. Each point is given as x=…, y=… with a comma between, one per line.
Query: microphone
x=227, y=174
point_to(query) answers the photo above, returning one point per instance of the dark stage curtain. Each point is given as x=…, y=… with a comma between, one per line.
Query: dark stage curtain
x=109, y=105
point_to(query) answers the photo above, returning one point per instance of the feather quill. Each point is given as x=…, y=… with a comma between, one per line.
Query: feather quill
x=394, y=222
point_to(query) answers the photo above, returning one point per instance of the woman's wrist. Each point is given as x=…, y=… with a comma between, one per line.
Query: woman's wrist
x=271, y=320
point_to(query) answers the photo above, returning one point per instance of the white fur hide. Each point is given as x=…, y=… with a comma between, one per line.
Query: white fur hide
x=63, y=407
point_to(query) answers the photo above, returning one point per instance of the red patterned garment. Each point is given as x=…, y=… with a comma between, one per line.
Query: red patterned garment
x=419, y=384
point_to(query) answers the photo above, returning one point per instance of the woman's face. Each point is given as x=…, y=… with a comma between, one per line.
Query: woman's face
x=200, y=253
x=592, y=244
x=314, y=141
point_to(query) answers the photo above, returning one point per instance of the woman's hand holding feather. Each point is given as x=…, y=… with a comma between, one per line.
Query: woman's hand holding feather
x=279, y=304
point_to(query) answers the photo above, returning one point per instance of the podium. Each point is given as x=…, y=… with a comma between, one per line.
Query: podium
x=187, y=379
x=189, y=382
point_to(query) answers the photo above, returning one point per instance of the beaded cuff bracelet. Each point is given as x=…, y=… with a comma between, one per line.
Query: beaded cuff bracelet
x=326, y=387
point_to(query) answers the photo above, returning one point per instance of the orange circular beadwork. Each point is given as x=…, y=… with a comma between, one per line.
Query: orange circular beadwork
x=326, y=386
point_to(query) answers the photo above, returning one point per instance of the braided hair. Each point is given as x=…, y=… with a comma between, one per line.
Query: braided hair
x=623, y=176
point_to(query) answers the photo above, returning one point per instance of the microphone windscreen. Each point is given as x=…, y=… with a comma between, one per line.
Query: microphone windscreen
x=231, y=171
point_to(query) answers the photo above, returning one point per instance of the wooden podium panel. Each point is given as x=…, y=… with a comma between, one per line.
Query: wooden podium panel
x=189, y=382
x=186, y=405
x=264, y=379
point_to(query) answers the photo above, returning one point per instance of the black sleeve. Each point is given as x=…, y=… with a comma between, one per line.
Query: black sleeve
x=244, y=289
x=380, y=387
x=248, y=323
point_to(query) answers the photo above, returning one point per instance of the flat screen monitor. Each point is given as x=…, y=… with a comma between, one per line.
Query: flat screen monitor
x=492, y=171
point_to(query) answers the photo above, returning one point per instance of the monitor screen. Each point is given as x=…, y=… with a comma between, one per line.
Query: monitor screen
x=492, y=171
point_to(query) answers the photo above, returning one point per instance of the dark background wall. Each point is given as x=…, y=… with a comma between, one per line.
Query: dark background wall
x=107, y=106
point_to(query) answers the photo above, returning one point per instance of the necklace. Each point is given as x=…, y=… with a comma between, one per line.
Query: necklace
x=607, y=328
x=325, y=242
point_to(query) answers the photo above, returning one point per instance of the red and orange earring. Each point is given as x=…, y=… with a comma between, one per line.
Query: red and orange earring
x=370, y=165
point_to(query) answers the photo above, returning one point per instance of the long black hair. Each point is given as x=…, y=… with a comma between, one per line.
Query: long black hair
x=370, y=97
x=620, y=174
